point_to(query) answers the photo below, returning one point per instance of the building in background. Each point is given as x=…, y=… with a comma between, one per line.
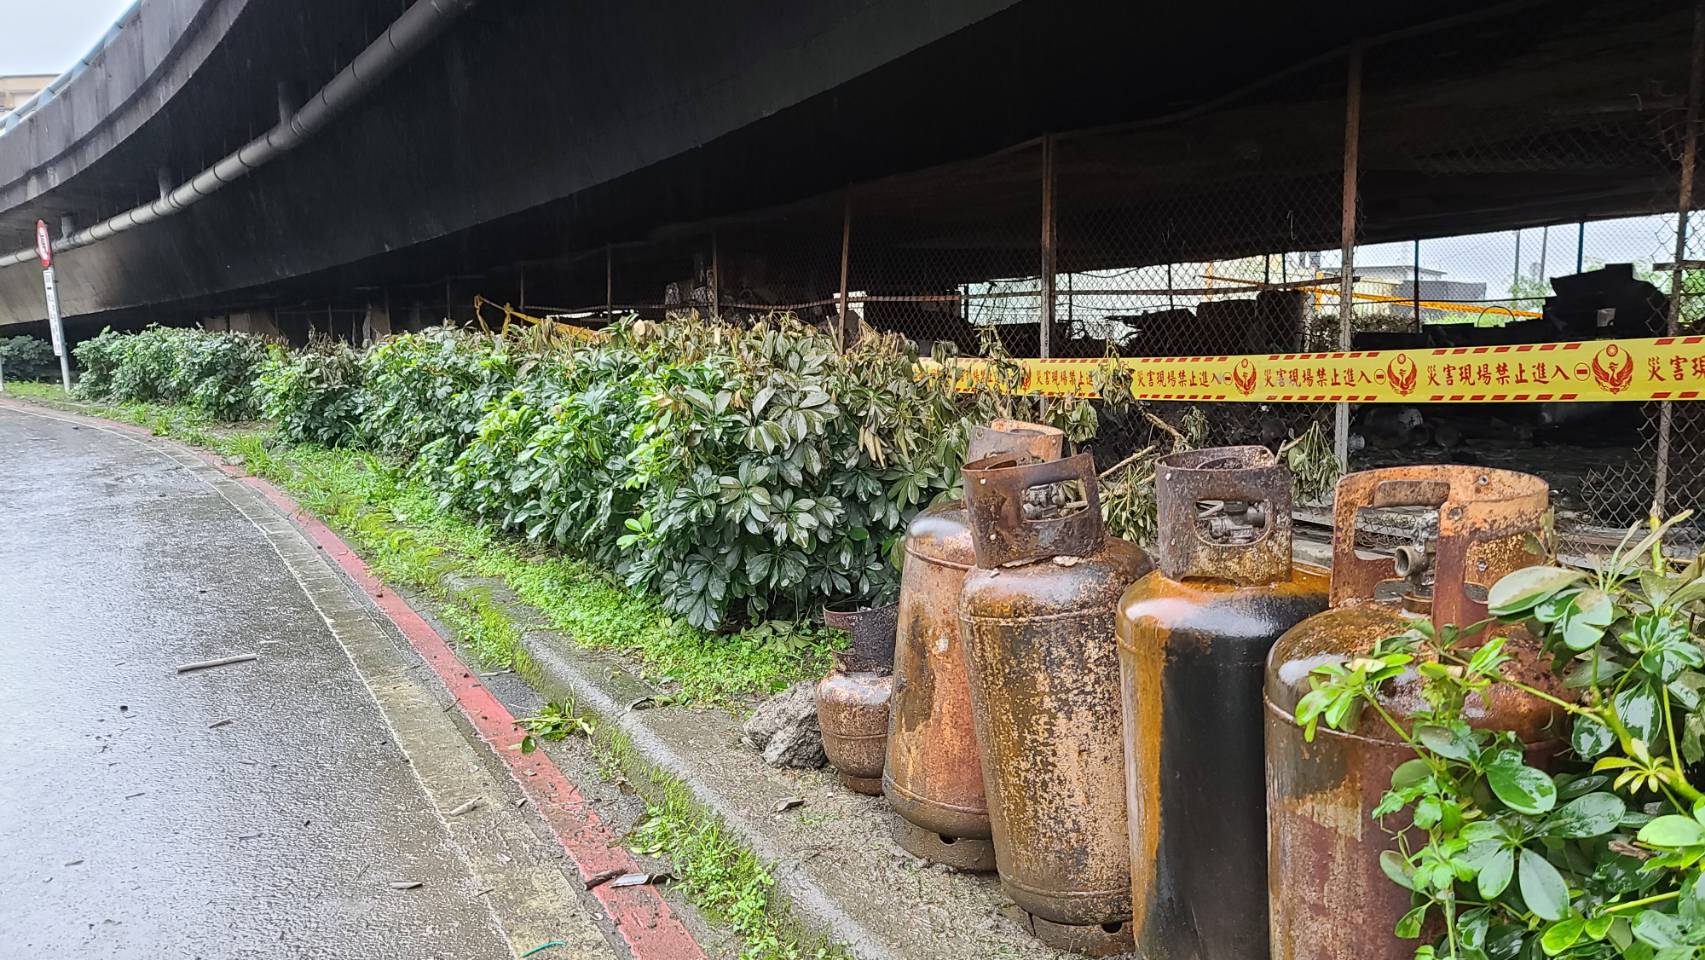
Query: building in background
x=17, y=88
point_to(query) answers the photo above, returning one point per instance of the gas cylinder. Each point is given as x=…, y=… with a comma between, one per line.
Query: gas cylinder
x=1193, y=642
x=933, y=778
x=1329, y=899
x=1036, y=620
x=852, y=701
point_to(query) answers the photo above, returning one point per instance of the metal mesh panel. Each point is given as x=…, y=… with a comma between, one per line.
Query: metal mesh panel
x=1506, y=199
x=943, y=254
x=1207, y=233
x=782, y=261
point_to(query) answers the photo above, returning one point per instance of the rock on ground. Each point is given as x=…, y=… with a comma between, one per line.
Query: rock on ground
x=784, y=728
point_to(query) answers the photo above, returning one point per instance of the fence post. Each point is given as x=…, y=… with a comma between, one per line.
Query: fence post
x=1684, y=204
x=715, y=277
x=1047, y=243
x=846, y=251
x=1415, y=285
x=1347, y=239
x=609, y=284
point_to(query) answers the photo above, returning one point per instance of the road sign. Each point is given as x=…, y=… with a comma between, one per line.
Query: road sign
x=44, y=246
x=53, y=324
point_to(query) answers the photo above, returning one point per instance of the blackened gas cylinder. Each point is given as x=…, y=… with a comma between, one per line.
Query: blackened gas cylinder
x=1036, y=620
x=1329, y=898
x=933, y=777
x=1193, y=642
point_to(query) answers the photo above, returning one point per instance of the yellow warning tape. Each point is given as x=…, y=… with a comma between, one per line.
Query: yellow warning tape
x=1662, y=368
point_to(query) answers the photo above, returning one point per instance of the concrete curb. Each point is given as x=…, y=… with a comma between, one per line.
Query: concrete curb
x=813, y=905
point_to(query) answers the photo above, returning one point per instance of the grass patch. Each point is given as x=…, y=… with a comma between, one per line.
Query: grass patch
x=723, y=879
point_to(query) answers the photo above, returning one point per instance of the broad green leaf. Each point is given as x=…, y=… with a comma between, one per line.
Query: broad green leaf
x=1445, y=743
x=1661, y=930
x=1656, y=586
x=1640, y=712
x=1589, y=738
x=1495, y=873
x=1673, y=830
x=1409, y=926
x=1591, y=672
x=1396, y=868
x=1593, y=606
x=1580, y=635
x=1482, y=830
x=1522, y=590
x=1522, y=788
x=1542, y=887
x=1409, y=773
x=1593, y=815
x=1562, y=935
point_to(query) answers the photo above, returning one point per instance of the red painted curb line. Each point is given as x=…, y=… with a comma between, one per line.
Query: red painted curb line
x=646, y=924
x=644, y=920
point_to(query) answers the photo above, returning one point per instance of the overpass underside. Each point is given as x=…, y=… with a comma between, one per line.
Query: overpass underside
x=589, y=159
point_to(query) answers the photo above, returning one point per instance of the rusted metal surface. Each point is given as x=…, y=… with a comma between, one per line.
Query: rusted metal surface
x=1044, y=680
x=852, y=701
x=1025, y=441
x=1485, y=519
x=1193, y=642
x=933, y=777
x=1328, y=898
x=852, y=710
x=1250, y=475
x=995, y=489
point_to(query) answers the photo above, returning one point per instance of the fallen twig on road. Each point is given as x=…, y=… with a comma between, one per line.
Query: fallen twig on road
x=221, y=662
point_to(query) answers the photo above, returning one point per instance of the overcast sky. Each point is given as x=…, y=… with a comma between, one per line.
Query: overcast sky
x=47, y=36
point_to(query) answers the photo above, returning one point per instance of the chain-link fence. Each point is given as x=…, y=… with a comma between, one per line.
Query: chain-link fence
x=1512, y=177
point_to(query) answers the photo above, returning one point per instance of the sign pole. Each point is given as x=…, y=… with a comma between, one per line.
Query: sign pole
x=44, y=250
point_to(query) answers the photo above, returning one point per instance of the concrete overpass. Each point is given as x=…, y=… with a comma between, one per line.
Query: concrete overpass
x=446, y=141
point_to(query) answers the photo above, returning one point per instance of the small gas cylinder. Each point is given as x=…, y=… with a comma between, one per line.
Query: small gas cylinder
x=1036, y=620
x=1193, y=642
x=1329, y=899
x=852, y=701
x=934, y=777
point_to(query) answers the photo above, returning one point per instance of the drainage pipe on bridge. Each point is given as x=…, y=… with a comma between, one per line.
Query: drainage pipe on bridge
x=405, y=37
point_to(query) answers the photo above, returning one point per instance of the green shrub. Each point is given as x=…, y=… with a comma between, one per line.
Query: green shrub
x=314, y=394
x=214, y=373
x=740, y=474
x=430, y=388
x=98, y=359
x=549, y=458
x=27, y=358
x=218, y=373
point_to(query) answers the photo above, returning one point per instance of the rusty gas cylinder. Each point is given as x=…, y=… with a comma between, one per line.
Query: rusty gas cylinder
x=1193, y=643
x=1328, y=897
x=1036, y=620
x=852, y=701
x=933, y=778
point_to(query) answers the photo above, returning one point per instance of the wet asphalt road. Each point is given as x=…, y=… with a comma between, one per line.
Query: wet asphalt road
x=128, y=826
